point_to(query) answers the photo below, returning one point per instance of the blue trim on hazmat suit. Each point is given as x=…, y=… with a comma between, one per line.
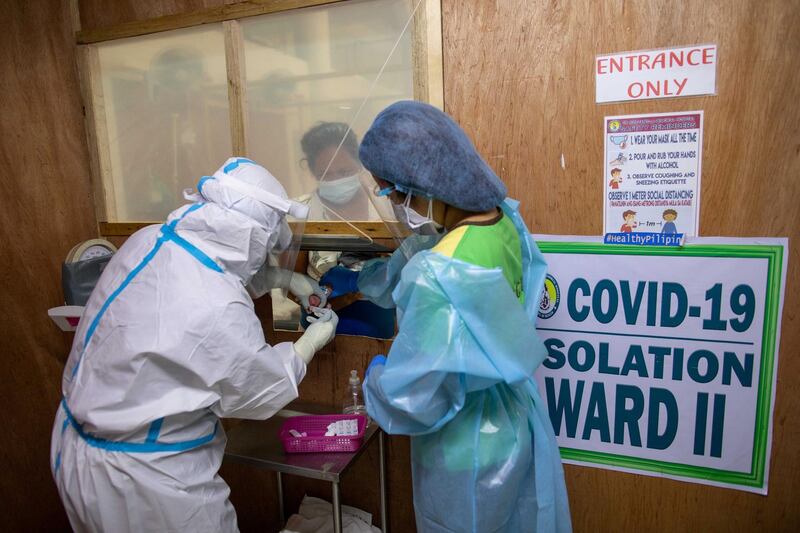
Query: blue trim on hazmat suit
x=169, y=343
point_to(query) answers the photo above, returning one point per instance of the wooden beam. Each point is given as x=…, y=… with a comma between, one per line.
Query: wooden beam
x=96, y=132
x=209, y=15
x=237, y=86
x=376, y=230
x=426, y=53
x=122, y=229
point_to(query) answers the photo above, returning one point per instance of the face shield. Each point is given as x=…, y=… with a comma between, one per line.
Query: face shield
x=276, y=272
x=285, y=228
x=413, y=231
x=248, y=189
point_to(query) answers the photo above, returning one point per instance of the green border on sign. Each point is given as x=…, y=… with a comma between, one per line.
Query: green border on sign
x=774, y=256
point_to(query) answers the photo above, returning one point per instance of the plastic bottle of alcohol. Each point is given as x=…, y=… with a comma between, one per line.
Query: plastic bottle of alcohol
x=354, y=398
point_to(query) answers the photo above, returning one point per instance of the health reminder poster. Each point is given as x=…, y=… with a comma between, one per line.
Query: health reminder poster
x=663, y=361
x=652, y=177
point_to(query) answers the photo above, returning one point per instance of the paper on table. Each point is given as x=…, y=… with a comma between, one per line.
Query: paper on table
x=343, y=428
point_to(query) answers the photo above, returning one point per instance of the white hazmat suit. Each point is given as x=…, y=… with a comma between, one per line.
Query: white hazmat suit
x=168, y=343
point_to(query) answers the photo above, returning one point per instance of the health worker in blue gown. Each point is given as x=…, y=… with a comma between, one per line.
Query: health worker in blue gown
x=458, y=379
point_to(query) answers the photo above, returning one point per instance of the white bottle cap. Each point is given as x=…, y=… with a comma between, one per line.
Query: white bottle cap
x=354, y=380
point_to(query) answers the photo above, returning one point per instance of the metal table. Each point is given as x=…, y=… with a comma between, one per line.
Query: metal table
x=256, y=442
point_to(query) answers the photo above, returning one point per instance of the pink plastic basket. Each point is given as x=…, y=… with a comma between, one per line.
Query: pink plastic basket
x=316, y=441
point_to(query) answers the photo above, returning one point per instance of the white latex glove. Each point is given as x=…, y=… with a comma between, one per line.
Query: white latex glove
x=303, y=287
x=320, y=332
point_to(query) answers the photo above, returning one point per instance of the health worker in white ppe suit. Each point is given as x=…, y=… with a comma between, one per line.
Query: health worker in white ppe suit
x=169, y=343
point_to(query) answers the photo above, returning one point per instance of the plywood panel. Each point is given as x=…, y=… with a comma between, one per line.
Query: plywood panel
x=519, y=78
x=46, y=207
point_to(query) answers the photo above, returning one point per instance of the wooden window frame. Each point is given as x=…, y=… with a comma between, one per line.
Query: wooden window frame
x=428, y=86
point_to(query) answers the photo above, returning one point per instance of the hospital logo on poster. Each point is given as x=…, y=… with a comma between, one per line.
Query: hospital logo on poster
x=551, y=296
x=613, y=126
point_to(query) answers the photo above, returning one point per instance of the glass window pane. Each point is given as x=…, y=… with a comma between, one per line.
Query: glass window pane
x=166, y=105
x=310, y=74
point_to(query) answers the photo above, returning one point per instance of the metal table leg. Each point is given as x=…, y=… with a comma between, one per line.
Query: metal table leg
x=337, y=509
x=382, y=479
x=280, y=499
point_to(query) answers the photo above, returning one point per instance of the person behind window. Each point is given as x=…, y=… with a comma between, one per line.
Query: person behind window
x=339, y=189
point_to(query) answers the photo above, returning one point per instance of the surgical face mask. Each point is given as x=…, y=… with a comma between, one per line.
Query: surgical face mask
x=419, y=224
x=339, y=191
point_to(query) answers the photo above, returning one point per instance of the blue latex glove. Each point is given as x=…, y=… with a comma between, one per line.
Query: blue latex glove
x=377, y=360
x=341, y=280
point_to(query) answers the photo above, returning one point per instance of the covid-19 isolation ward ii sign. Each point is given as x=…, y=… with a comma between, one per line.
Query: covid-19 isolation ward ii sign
x=663, y=361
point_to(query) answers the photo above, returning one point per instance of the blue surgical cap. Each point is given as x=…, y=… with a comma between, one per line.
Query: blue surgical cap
x=421, y=148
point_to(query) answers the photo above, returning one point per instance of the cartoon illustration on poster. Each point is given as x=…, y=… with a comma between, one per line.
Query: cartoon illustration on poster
x=652, y=177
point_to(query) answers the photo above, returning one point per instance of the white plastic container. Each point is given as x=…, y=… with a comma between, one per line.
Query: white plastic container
x=353, y=403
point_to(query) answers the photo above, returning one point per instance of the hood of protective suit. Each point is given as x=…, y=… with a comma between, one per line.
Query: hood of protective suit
x=234, y=229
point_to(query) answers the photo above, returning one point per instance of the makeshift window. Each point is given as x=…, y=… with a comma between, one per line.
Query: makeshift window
x=165, y=108
x=295, y=89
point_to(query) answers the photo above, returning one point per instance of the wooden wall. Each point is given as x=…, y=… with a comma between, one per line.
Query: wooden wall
x=45, y=208
x=519, y=78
